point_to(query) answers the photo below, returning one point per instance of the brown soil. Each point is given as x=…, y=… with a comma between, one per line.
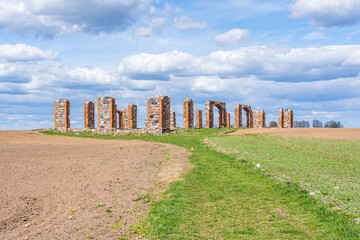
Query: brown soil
x=330, y=133
x=51, y=185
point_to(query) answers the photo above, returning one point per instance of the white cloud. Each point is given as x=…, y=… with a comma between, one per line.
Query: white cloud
x=142, y=32
x=185, y=23
x=327, y=13
x=274, y=62
x=22, y=53
x=315, y=36
x=235, y=35
x=50, y=18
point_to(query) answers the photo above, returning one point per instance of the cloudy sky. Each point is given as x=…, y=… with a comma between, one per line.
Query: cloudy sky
x=297, y=54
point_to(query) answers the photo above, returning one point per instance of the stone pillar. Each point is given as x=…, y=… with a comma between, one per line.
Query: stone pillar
x=158, y=114
x=132, y=117
x=288, y=118
x=228, y=120
x=106, y=113
x=281, y=118
x=172, y=120
x=120, y=118
x=61, y=115
x=238, y=115
x=258, y=119
x=199, y=119
x=89, y=115
x=188, y=113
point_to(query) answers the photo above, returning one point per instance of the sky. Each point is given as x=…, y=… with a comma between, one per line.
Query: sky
x=302, y=55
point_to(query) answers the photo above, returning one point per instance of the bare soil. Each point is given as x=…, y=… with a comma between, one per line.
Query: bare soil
x=329, y=133
x=57, y=187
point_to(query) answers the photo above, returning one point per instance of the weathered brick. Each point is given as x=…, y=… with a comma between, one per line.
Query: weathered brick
x=61, y=115
x=209, y=105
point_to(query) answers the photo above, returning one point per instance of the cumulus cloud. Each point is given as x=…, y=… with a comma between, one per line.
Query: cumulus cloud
x=185, y=23
x=327, y=13
x=23, y=53
x=235, y=35
x=50, y=18
x=154, y=26
x=273, y=62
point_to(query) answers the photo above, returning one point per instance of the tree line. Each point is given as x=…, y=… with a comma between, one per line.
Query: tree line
x=315, y=124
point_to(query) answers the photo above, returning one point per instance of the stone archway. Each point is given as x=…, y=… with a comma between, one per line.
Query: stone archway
x=221, y=106
x=238, y=115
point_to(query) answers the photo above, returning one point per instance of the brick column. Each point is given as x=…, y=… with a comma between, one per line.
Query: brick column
x=281, y=118
x=199, y=119
x=238, y=115
x=172, y=120
x=107, y=113
x=89, y=115
x=228, y=120
x=158, y=114
x=61, y=115
x=188, y=113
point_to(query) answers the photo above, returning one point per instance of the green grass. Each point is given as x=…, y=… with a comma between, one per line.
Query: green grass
x=329, y=168
x=226, y=198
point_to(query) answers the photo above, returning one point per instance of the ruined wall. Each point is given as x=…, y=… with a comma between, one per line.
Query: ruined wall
x=172, y=120
x=238, y=115
x=188, y=113
x=107, y=110
x=209, y=106
x=199, y=123
x=258, y=119
x=131, y=116
x=228, y=120
x=158, y=114
x=120, y=118
x=61, y=115
x=286, y=119
x=89, y=115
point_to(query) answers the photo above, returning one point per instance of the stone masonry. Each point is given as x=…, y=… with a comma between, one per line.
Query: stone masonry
x=172, y=120
x=199, y=123
x=107, y=118
x=89, y=115
x=120, y=119
x=158, y=114
x=61, y=115
x=286, y=119
x=258, y=119
x=188, y=113
x=228, y=120
x=209, y=106
x=132, y=117
x=238, y=115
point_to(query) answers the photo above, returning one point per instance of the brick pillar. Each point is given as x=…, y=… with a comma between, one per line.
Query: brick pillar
x=61, y=115
x=158, y=114
x=188, y=113
x=172, y=120
x=281, y=118
x=199, y=119
x=132, y=117
x=228, y=120
x=120, y=119
x=238, y=115
x=263, y=122
x=106, y=113
x=258, y=119
x=89, y=115
x=209, y=114
x=288, y=118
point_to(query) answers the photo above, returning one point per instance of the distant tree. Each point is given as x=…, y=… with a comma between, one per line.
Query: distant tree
x=273, y=124
x=333, y=124
x=317, y=123
x=301, y=124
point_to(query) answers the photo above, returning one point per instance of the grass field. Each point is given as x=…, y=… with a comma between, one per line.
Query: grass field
x=226, y=197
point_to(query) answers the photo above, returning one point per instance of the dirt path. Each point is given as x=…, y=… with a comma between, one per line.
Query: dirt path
x=51, y=185
x=329, y=133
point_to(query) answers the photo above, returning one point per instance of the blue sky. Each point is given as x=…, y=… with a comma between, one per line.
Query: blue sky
x=300, y=54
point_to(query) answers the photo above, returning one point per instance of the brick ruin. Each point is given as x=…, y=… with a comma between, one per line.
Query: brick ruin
x=158, y=114
x=258, y=119
x=107, y=118
x=188, y=113
x=199, y=123
x=172, y=120
x=209, y=106
x=228, y=120
x=61, y=115
x=286, y=118
x=89, y=115
x=238, y=115
x=159, y=117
